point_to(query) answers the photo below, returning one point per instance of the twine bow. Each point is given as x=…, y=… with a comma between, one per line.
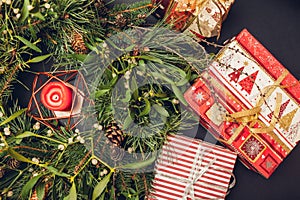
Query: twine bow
x=197, y=172
x=249, y=118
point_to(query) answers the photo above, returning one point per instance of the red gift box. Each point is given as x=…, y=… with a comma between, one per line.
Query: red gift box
x=250, y=102
x=188, y=168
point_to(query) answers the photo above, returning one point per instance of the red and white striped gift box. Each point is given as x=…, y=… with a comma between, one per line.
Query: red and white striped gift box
x=188, y=168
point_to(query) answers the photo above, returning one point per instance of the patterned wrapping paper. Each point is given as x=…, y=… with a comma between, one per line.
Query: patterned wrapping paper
x=188, y=168
x=250, y=102
x=202, y=17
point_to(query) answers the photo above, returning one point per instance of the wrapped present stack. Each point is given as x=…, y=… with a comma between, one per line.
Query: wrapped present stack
x=188, y=168
x=203, y=18
x=250, y=102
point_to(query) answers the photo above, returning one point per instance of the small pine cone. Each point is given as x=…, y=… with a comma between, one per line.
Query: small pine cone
x=114, y=134
x=78, y=44
x=13, y=163
x=120, y=21
x=2, y=172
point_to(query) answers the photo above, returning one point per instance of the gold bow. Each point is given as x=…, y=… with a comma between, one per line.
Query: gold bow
x=251, y=116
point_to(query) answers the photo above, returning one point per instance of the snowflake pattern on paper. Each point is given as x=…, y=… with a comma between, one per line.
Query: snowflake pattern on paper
x=199, y=97
x=252, y=147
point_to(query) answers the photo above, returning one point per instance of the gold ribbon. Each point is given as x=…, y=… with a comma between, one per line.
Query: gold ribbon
x=251, y=116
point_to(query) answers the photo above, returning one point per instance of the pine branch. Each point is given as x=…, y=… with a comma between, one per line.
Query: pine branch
x=6, y=82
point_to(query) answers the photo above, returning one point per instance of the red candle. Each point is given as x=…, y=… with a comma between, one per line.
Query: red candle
x=56, y=96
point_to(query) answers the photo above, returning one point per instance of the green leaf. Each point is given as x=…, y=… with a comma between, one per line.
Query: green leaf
x=29, y=44
x=139, y=165
x=99, y=93
x=179, y=94
x=91, y=47
x=18, y=156
x=73, y=193
x=147, y=108
x=151, y=58
x=25, y=134
x=13, y=116
x=39, y=15
x=162, y=77
x=80, y=57
x=129, y=48
x=127, y=96
x=40, y=191
x=128, y=120
x=185, y=79
x=142, y=65
x=161, y=110
x=29, y=185
x=39, y=58
x=25, y=11
x=113, y=81
x=99, y=188
x=56, y=172
x=134, y=88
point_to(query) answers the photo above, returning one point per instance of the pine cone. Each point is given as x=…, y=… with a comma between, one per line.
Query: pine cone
x=120, y=21
x=77, y=43
x=114, y=134
x=2, y=172
x=13, y=163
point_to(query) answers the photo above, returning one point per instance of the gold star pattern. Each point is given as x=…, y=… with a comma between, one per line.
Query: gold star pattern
x=246, y=63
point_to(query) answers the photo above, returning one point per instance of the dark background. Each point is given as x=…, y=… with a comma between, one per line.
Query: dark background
x=276, y=24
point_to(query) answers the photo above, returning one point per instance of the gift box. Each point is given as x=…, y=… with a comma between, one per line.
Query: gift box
x=203, y=18
x=189, y=168
x=250, y=102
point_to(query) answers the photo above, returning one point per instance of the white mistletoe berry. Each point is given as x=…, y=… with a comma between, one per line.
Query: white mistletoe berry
x=10, y=193
x=36, y=160
x=61, y=147
x=47, y=5
x=16, y=10
x=70, y=140
x=30, y=7
x=94, y=161
x=130, y=150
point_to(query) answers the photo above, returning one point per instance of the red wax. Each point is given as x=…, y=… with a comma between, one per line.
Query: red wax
x=56, y=96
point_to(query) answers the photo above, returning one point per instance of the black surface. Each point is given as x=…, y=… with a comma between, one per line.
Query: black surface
x=275, y=23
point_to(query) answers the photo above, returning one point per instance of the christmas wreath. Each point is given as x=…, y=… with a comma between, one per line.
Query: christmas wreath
x=135, y=77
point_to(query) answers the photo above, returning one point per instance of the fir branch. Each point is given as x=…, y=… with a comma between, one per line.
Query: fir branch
x=6, y=82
